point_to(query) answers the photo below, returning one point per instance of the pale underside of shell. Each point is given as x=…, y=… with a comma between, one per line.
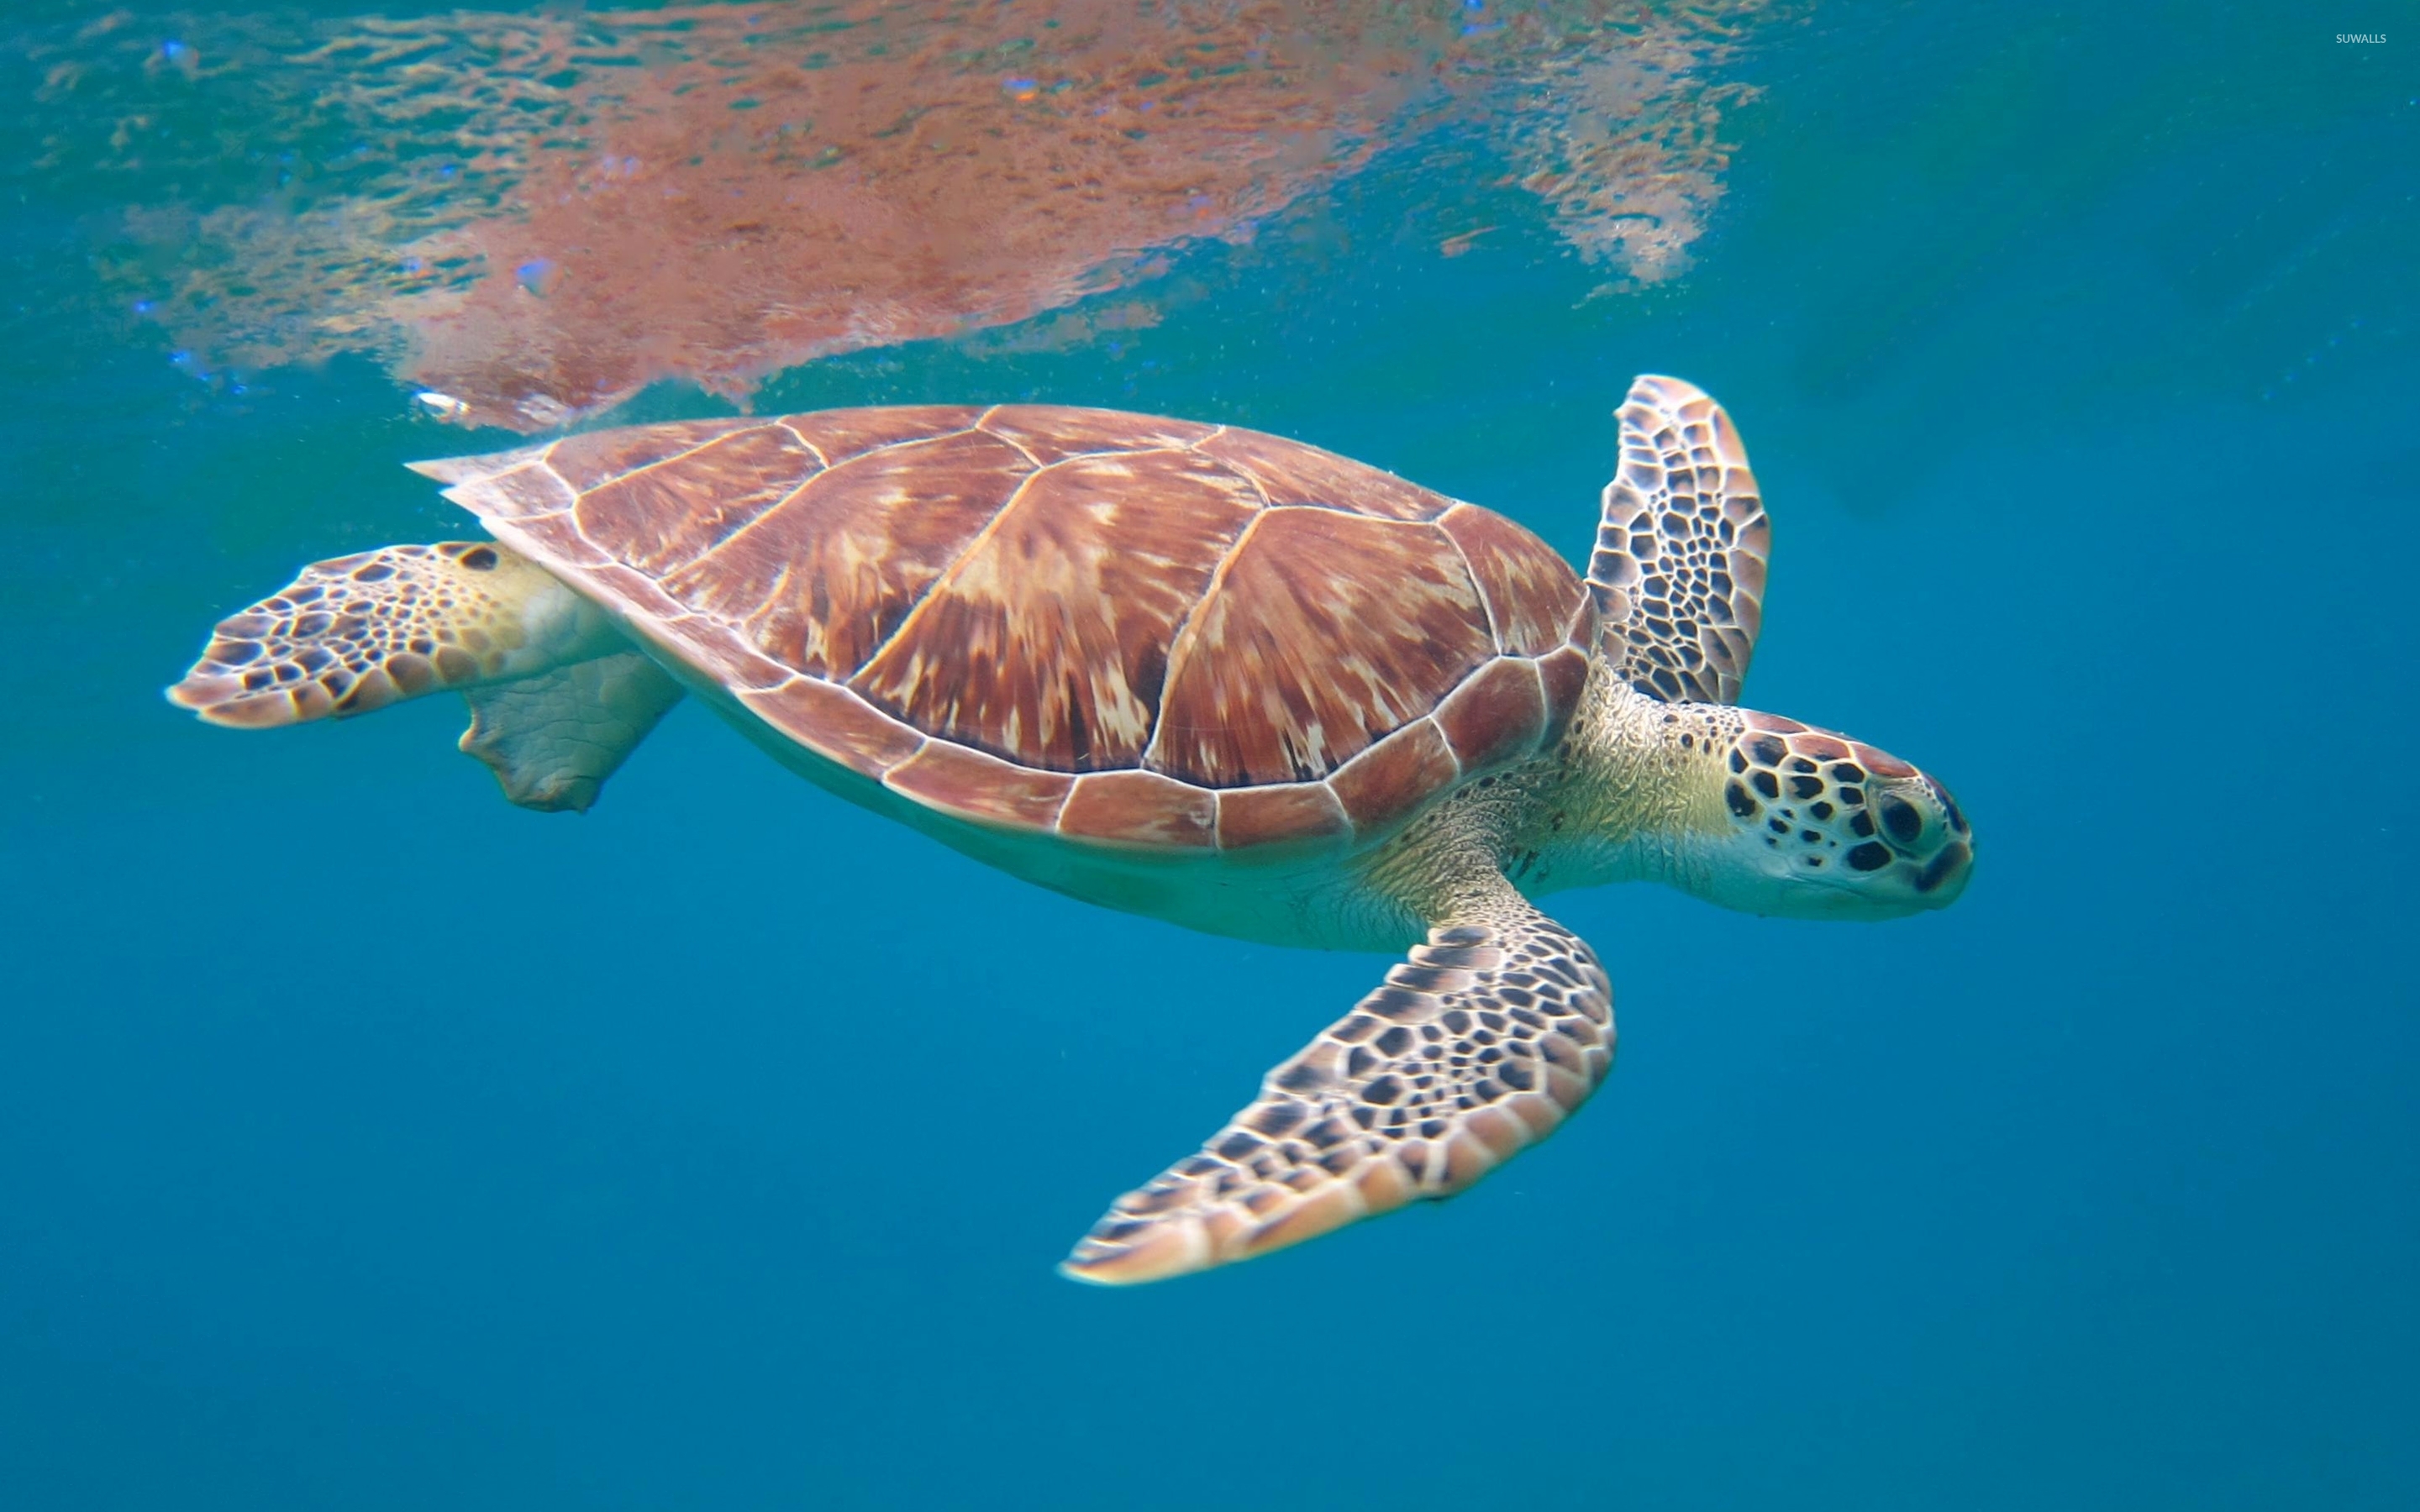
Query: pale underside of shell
x=1121, y=629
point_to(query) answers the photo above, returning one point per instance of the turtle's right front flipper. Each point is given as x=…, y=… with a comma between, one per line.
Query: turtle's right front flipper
x=1479, y=1045
x=360, y=632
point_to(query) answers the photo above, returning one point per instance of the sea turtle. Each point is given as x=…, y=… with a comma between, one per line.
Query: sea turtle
x=1189, y=671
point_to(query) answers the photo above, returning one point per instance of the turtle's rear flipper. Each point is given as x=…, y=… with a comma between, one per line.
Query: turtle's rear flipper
x=362, y=632
x=553, y=739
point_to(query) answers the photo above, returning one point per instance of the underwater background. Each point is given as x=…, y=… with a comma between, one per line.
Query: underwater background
x=367, y=1143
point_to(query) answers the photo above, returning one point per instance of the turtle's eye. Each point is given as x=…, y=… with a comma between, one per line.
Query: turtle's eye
x=1918, y=817
x=1902, y=822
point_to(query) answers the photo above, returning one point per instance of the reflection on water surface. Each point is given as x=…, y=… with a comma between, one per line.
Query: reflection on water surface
x=537, y=216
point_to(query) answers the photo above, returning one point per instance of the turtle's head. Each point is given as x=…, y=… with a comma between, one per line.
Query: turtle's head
x=1821, y=826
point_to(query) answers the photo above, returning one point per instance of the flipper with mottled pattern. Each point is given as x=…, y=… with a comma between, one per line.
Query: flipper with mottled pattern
x=553, y=739
x=1479, y=1044
x=1679, y=559
x=360, y=632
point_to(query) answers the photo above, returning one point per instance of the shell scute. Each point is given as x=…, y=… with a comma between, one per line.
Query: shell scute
x=1496, y=715
x=532, y=489
x=1396, y=776
x=454, y=470
x=841, y=434
x=820, y=580
x=976, y=786
x=1279, y=813
x=554, y=539
x=661, y=517
x=1290, y=472
x=1054, y=433
x=1564, y=676
x=644, y=595
x=1532, y=592
x=1046, y=641
x=600, y=456
x=835, y=722
x=1327, y=631
x=1141, y=809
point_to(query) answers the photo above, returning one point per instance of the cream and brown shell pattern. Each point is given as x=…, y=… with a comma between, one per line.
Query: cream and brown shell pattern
x=1113, y=629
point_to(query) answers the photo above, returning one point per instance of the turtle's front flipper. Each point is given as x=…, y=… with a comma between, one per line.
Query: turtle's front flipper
x=1480, y=1043
x=360, y=632
x=553, y=739
x=1679, y=568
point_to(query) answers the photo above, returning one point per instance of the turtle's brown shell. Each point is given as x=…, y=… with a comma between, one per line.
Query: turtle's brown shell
x=1119, y=627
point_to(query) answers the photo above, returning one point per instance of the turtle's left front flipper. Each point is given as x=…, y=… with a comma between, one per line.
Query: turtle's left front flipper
x=553, y=739
x=1479, y=1045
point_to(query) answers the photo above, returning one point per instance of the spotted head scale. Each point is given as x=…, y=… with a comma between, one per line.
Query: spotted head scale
x=1822, y=825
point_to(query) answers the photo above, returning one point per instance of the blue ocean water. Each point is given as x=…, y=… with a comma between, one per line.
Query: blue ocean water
x=367, y=1143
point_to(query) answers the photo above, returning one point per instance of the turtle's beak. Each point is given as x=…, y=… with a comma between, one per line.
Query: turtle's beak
x=1939, y=881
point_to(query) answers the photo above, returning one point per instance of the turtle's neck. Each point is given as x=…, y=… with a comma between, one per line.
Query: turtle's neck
x=1628, y=795
x=1643, y=787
